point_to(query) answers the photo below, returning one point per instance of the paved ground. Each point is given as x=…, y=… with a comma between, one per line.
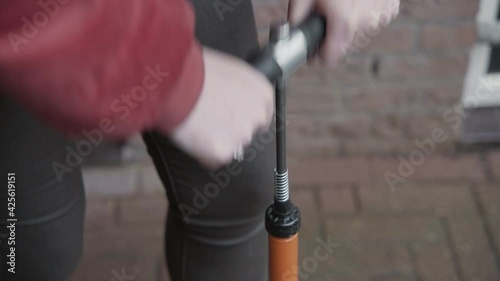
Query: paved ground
x=441, y=224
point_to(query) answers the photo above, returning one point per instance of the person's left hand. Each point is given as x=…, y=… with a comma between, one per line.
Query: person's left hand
x=346, y=20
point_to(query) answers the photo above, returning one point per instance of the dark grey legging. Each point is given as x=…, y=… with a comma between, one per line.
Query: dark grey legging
x=215, y=227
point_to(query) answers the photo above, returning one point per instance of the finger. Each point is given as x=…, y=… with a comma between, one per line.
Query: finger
x=339, y=36
x=396, y=9
x=298, y=10
x=265, y=120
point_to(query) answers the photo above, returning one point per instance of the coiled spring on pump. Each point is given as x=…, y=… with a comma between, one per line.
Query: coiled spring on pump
x=282, y=188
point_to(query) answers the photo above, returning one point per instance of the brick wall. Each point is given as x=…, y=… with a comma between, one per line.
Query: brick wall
x=392, y=93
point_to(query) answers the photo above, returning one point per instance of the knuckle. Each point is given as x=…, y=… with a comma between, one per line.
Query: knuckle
x=224, y=153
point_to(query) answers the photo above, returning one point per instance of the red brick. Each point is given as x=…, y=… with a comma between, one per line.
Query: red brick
x=317, y=135
x=300, y=145
x=424, y=236
x=369, y=145
x=337, y=200
x=490, y=199
x=494, y=162
x=350, y=125
x=434, y=261
x=307, y=250
x=473, y=249
x=422, y=66
x=310, y=99
x=421, y=127
x=354, y=70
x=389, y=125
x=384, y=97
x=438, y=200
x=439, y=10
x=107, y=267
x=434, y=168
x=494, y=223
x=369, y=261
x=100, y=214
x=111, y=181
x=145, y=239
x=395, y=38
x=385, y=229
x=310, y=227
x=310, y=223
x=305, y=139
x=348, y=170
x=445, y=93
x=376, y=97
x=135, y=250
x=448, y=36
x=143, y=210
x=310, y=76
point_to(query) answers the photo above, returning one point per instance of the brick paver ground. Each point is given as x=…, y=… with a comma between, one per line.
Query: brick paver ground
x=441, y=224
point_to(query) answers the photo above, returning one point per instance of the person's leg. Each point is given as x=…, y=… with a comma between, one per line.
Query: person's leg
x=49, y=210
x=215, y=226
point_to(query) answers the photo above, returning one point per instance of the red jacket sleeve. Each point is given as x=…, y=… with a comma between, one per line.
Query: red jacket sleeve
x=121, y=66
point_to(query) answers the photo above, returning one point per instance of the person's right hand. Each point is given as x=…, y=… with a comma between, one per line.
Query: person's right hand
x=235, y=103
x=343, y=19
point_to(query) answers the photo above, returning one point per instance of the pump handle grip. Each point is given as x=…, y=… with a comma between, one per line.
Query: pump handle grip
x=314, y=30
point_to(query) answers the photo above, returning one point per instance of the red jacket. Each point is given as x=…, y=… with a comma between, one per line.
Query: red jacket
x=130, y=65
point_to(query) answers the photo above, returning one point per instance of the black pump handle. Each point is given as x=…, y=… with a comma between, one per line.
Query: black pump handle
x=314, y=30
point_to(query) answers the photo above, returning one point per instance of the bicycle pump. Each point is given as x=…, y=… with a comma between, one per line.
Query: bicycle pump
x=287, y=51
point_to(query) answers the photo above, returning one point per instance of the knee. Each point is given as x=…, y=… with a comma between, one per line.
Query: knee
x=42, y=258
x=230, y=194
x=49, y=248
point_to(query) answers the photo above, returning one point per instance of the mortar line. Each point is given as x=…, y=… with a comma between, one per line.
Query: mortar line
x=356, y=198
x=490, y=237
x=320, y=211
x=117, y=202
x=413, y=261
x=451, y=245
x=486, y=167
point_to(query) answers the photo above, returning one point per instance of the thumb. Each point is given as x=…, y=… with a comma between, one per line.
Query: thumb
x=299, y=9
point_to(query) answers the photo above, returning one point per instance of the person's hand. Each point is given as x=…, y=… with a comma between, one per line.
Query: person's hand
x=345, y=19
x=235, y=103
